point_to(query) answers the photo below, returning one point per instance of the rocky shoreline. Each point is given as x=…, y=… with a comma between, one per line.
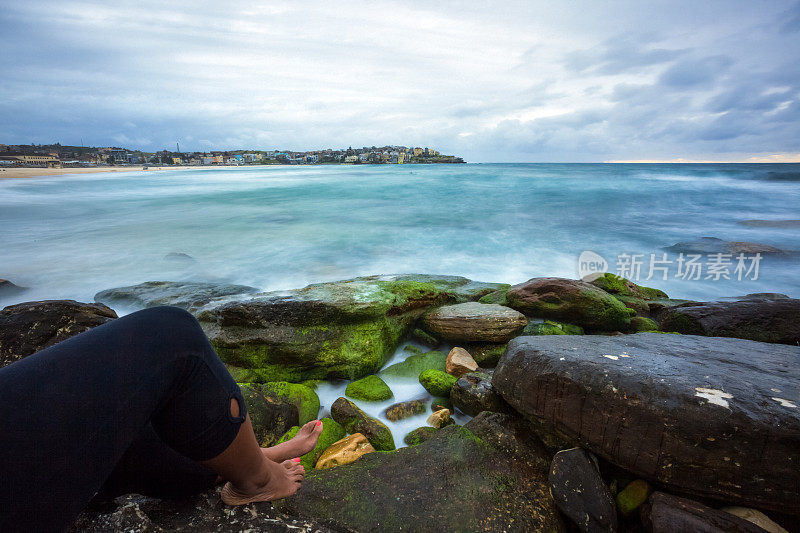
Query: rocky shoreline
x=597, y=406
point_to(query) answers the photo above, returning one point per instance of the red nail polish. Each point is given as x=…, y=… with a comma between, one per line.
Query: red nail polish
x=319, y=423
x=296, y=459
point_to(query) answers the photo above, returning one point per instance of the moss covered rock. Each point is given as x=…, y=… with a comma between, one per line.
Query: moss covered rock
x=486, y=354
x=332, y=432
x=371, y=389
x=415, y=350
x=572, y=301
x=641, y=323
x=402, y=410
x=425, y=338
x=618, y=285
x=484, y=475
x=414, y=365
x=271, y=417
x=301, y=396
x=354, y=420
x=437, y=382
x=419, y=435
x=550, y=327
x=441, y=402
x=496, y=297
x=632, y=496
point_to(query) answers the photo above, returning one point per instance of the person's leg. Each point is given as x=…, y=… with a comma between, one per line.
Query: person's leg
x=69, y=413
x=150, y=467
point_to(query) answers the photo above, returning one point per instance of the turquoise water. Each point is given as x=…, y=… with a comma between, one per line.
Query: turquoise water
x=285, y=227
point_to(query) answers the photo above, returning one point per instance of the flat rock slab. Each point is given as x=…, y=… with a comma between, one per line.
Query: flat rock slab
x=475, y=322
x=32, y=326
x=484, y=476
x=188, y=295
x=204, y=513
x=713, y=417
x=756, y=317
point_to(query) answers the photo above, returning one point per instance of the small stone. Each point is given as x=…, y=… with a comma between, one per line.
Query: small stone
x=459, y=362
x=419, y=435
x=437, y=382
x=473, y=393
x=632, y=496
x=403, y=410
x=345, y=451
x=370, y=388
x=666, y=513
x=756, y=517
x=440, y=418
x=354, y=420
x=416, y=350
x=423, y=337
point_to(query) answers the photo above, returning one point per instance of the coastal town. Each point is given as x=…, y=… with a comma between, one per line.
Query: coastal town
x=64, y=156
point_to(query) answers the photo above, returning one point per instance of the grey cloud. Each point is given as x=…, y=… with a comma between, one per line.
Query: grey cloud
x=689, y=72
x=621, y=54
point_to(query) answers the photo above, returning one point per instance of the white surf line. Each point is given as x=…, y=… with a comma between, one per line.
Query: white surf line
x=785, y=403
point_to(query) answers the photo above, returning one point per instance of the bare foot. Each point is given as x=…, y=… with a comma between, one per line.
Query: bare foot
x=284, y=481
x=300, y=444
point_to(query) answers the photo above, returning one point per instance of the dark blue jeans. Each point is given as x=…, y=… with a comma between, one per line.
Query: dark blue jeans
x=130, y=406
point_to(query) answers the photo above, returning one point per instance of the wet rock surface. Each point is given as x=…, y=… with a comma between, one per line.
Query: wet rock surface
x=580, y=493
x=271, y=417
x=475, y=322
x=571, y=301
x=757, y=317
x=354, y=420
x=459, y=362
x=666, y=514
x=473, y=393
x=344, y=329
x=489, y=478
x=8, y=288
x=685, y=411
x=28, y=327
x=713, y=245
x=403, y=410
x=191, y=296
x=204, y=513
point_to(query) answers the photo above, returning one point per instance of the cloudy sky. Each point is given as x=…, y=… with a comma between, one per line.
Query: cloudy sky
x=491, y=81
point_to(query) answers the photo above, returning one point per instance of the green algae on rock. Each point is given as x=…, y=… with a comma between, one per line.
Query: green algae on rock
x=632, y=496
x=441, y=402
x=486, y=354
x=332, y=431
x=419, y=435
x=550, y=327
x=371, y=389
x=402, y=410
x=437, y=382
x=343, y=329
x=354, y=420
x=414, y=365
x=572, y=301
x=486, y=473
x=301, y=396
x=271, y=417
x=641, y=323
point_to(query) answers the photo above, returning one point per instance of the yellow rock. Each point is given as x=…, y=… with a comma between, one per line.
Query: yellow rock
x=345, y=451
x=459, y=362
x=440, y=418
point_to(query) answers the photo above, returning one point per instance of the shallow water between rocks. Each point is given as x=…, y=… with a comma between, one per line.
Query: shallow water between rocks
x=404, y=389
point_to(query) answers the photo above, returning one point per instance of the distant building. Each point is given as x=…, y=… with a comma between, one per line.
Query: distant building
x=31, y=160
x=418, y=152
x=351, y=159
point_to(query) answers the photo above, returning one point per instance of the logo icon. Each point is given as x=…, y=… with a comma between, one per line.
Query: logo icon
x=591, y=266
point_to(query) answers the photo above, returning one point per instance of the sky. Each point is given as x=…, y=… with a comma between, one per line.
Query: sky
x=531, y=81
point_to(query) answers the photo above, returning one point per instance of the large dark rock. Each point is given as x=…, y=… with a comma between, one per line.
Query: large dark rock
x=484, y=476
x=204, y=513
x=667, y=514
x=572, y=301
x=188, y=295
x=755, y=318
x=475, y=322
x=31, y=326
x=344, y=329
x=473, y=393
x=713, y=245
x=580, y=493
x=713, y=417
x=8, y=289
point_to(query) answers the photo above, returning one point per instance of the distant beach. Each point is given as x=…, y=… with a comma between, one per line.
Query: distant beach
x=33, y=172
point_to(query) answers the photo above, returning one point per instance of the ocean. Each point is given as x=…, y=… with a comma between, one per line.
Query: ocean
x=282, y=227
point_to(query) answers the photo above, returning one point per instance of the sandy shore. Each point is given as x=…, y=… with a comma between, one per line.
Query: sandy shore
x=36, y=172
